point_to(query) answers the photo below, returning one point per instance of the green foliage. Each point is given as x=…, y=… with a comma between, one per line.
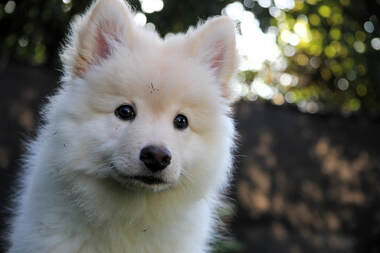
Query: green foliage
x=337, y=58
x=32, y=32
x=227, y=246
x=335, y=63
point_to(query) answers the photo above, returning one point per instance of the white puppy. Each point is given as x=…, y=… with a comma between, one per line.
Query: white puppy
x=136, y=149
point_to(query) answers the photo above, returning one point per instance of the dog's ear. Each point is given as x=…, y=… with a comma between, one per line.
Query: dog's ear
x=106, y=25
x=213, y=43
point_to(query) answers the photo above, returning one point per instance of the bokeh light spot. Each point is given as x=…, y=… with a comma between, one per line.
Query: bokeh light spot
x=150, y=6
x=324, y=11
x=302, y=30
x=359, y=47
x=354, y=104
x=286, y=79
x=265, y=3
x=249, y=3
x=284, y=4
x=369, y=27
x=361, y=90
x=345, y=2
x=10, y=7
x=251, y=39
x=140, y=18
x=343, y=84
x=312, y=2
x=262, y=89
x=314, y=19
x=360, y=35
x=375, y=43
x=335, y=34
x=290, y=97
x=23, y=42
x=302, y=59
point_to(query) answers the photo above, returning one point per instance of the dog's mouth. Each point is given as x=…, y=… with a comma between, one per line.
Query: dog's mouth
x=148, y=180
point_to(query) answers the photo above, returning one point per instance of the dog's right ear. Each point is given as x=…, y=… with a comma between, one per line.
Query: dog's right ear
x=106, y=25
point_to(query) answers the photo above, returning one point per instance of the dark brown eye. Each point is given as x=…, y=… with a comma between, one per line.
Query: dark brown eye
x=180, y=122
x=125, y=112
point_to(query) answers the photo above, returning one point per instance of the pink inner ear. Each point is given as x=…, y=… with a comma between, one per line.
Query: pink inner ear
x=106, y=32
x=217, y=58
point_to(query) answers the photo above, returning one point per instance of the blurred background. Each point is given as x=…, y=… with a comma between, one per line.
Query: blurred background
x=308, y=112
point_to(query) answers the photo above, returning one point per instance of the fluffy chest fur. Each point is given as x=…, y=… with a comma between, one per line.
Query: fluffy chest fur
x=52, y=221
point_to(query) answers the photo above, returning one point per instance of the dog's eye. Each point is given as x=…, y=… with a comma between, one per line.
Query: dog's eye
x=125, y=112
x=180, y=122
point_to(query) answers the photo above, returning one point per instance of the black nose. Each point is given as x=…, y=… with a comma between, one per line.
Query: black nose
x=155, y=158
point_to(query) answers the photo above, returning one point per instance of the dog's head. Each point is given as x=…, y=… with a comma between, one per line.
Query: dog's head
x=147, y=112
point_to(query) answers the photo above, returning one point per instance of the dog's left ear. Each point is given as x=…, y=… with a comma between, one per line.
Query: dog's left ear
x=213, y=43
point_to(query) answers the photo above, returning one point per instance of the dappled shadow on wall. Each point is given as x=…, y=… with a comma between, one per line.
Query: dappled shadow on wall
x=306, y=183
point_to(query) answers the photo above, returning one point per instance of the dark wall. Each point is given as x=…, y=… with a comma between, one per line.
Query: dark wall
x=304, y=183
x=307, y=183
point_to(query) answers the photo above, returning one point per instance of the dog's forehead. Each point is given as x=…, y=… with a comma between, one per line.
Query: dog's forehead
x=164, y=94
x=162, y=77
x=159, y=80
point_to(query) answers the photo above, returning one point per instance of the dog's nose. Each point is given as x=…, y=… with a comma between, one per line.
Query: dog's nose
x=155, y=158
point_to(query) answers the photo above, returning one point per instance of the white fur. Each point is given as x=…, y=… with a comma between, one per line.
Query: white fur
x=72, y=199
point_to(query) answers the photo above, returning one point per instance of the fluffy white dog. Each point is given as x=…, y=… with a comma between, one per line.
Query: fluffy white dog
x=136, y=149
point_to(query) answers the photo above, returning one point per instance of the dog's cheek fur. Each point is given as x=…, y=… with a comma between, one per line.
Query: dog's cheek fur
x=207, y=170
